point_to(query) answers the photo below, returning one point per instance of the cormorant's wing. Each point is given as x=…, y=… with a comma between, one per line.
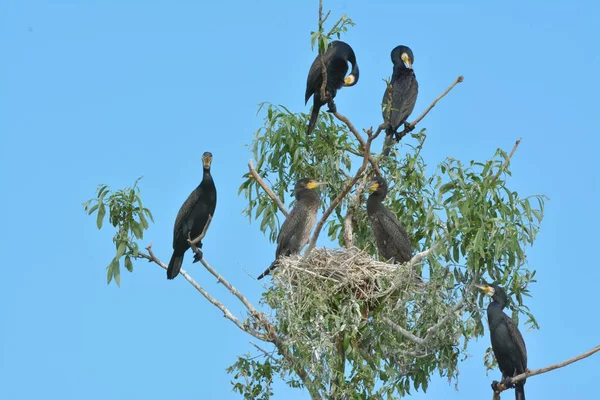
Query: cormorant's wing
x=404, y=96
x=517, y=338
x=395, y=233
x=315, y=77
x=287, y=232
x=184, y=213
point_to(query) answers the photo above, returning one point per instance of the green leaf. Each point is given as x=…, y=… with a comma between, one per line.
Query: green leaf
x=121, y=249
x=128, y=264
x=100, y=217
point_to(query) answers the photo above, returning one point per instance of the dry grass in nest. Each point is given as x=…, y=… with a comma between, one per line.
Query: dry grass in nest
x=351, y=271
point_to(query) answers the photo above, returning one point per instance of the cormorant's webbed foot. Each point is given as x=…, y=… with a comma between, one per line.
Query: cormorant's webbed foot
x=198, y=255
x=507, y=383
x=332, y=107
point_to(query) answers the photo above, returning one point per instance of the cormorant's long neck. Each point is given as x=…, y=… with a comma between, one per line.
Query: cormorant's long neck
x=495, y=313
x=207, y=178
x=401, y=70
x=309, y=199
x=374, y=202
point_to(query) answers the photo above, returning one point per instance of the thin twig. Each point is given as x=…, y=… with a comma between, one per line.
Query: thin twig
x=266, y=188
x=410, y=126
x=518, y=378
x=507, y=160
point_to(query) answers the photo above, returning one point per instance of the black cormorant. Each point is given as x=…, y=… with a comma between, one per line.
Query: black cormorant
x=296, y=228
x=507, y=341
x=391, y=237
x=192, y=218
x=336, y=62
x=404, y=89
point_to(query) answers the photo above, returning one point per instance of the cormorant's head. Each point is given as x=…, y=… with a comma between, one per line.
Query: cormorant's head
x=344, y=51
x=495, y=292
x=207, y=159
x=378, y=186
x=305, y=184
x=403, y=55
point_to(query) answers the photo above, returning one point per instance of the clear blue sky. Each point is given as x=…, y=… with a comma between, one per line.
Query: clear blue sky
x=107, y=91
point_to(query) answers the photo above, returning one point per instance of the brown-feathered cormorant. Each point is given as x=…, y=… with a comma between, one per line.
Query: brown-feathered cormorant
x=390, y=237
x=192, y=218
x=296, y=228
x=400, y=102
x=336, y=62
x=507, y=342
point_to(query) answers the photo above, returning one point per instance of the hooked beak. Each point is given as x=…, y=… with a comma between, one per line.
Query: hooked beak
x=349, y=80
x=314, y=184
x=486, y=289
x=406, y=61
x=207, y=159
x=373, y=186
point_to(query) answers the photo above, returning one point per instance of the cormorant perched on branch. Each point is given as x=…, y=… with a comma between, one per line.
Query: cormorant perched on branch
x=296, y=228
x=192, y=218
x=336, y=62
x=390, y=237
x=507, y=341
x=401, y=94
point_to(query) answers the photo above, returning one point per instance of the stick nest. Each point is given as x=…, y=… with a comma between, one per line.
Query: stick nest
x=345, y=271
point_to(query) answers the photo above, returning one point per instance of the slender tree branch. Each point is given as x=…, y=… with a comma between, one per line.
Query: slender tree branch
x=349, y=218
x=360, y=139
x=417, y=258
x=324, y=94
x=501, y=387
x=266, y=188
x=507, y=160
x=404, y=332
x=271, y=333
x=344, y=192
x=226, y=313
x=410, y=126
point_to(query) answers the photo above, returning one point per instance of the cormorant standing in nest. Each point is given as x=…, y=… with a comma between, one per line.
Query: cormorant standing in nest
x=296, y=228
x=507, y=342
x=192, y=217
x=390, y=237
x=400, y=96
x=336, y=62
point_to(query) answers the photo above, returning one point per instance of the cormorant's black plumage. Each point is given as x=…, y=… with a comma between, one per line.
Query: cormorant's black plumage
x=507, y=342
x=296, y=228
x=390, y=237
x=336, y=60
x=192, y=218
x=401, y=94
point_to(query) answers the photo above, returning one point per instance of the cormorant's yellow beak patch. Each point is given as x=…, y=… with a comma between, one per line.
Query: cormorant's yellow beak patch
x=406, y=60
x=207, y=159
x=314, y=184
x=486, y=289
x=350, y=79
x=373, y=186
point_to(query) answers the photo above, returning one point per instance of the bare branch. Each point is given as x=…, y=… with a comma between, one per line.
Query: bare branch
x=226, y=313
x=360, y=139
x=507, y=160
x=349, y=218
x=266, y=188
x=410, y=126
x=203, y=233
x=501, y=387
x=417, y=258
x=404, y=332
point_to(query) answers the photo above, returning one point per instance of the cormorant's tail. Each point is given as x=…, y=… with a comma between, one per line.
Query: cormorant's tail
x=174, y=265
x=389, y=141
x=519, y=391
x=313, y=119
x=268, y=270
